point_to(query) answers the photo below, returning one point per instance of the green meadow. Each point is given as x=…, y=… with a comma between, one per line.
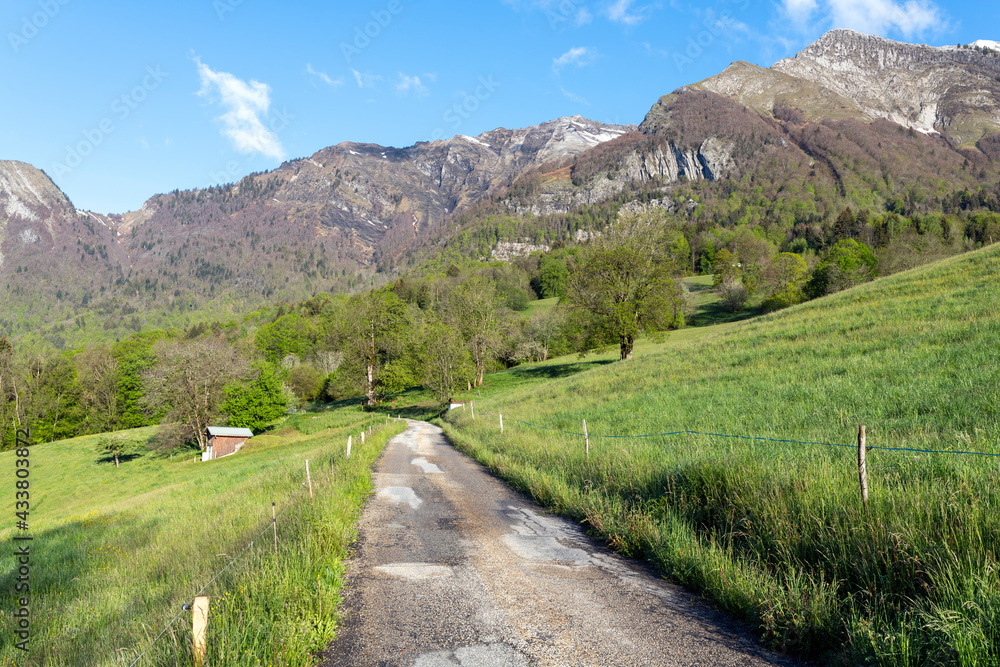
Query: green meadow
x=776, y=532
x=117, y=552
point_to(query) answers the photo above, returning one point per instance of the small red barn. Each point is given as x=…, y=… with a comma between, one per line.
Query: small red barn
x=223, y=441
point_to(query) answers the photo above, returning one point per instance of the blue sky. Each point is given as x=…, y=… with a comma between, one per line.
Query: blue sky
x=118, y=100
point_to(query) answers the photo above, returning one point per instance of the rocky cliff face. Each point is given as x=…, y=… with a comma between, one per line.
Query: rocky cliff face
x=845, y=74
x=397, y=194
x=31, y=208
x=327, y=222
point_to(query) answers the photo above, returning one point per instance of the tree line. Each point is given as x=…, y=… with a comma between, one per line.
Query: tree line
x=444, y=327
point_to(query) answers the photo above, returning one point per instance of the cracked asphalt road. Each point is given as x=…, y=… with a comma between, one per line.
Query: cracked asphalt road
x=454, y=568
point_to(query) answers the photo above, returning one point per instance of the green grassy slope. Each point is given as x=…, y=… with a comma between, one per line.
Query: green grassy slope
x=117, y=551
x=776, y=531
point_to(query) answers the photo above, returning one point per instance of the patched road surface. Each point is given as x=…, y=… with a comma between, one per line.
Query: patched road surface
x=454, y=568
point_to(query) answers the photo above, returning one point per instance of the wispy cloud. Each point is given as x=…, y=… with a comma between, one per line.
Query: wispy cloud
x=578, y=56
x=559, y=12
x=622, y=11
x=245, y=104
x=879, y=17
x=366, y=79
x=412, y=84
x=573, y=96
x=324, y=77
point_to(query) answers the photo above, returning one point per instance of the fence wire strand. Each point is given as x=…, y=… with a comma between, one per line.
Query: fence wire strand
x=740, y=437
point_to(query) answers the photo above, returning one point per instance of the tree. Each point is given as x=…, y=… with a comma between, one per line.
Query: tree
x=623, y=286
x=551, y=278
x=288, y=334
x=374, y=331
x=754, y=257
x=540, y=334
x=849, y=263
x=188, y=382
x=787, y=277
x=475, y=310
x=9, y=419
x=116, y=445
x=305, y=381
x=49, y=397
x=99, y=378
x=725, y=267
x=134, y=359
x=257, y=403
x=447, y=364
x=733, y=296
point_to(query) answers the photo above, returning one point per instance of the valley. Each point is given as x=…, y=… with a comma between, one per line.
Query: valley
x=667, y=332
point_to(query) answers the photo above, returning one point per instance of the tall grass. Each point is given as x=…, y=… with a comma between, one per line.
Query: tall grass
x=118, y=551
x=776, y=532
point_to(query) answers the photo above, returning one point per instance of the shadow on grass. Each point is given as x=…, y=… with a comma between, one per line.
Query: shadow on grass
x=552, y=372
x=63, y=557
x=122, y=458
x=715, y=313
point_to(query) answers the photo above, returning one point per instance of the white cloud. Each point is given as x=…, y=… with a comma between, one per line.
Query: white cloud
x=800, y=11
x=408, y=84
x=578, y=56
x=621, y=12
x=879, y=17
x=366, y=80
x=324, y=77
x=245, y=104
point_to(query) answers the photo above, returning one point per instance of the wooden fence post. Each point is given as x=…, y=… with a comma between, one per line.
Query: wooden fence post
x=362, y=437
x=501, y=423
x=199, y=626
x=862, y=466
x=309, y=480
x=586, y=438
x=348, y=446
x=274, y=525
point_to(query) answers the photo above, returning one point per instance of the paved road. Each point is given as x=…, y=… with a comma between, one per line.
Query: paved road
x=453, y=568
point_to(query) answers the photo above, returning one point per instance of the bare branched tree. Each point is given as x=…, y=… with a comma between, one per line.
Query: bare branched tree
x=188, y=382
x=98, y=372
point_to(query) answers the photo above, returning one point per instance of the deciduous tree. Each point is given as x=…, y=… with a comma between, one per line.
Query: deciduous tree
x=256, y=403
x=623, y=285
x=374, y=331
x=447, y=364
x=475, y=310
x=188, y=382
x=116, y=445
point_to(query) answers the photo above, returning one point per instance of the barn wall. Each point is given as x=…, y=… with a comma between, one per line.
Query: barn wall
x=225, y=445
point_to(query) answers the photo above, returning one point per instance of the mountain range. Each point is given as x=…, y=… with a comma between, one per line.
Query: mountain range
x=850, y=120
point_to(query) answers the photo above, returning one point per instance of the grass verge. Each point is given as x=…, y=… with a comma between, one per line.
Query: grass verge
x=116, y=552
x=775, y=532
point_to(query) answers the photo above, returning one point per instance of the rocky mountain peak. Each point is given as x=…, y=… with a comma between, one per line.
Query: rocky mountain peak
x=846, y=74
x=30, y=207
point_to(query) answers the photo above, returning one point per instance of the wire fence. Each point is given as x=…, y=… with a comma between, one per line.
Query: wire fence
x=736, y=437
x=270, y=526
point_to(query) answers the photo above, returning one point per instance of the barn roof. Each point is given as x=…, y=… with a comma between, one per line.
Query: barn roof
x=229, y=432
